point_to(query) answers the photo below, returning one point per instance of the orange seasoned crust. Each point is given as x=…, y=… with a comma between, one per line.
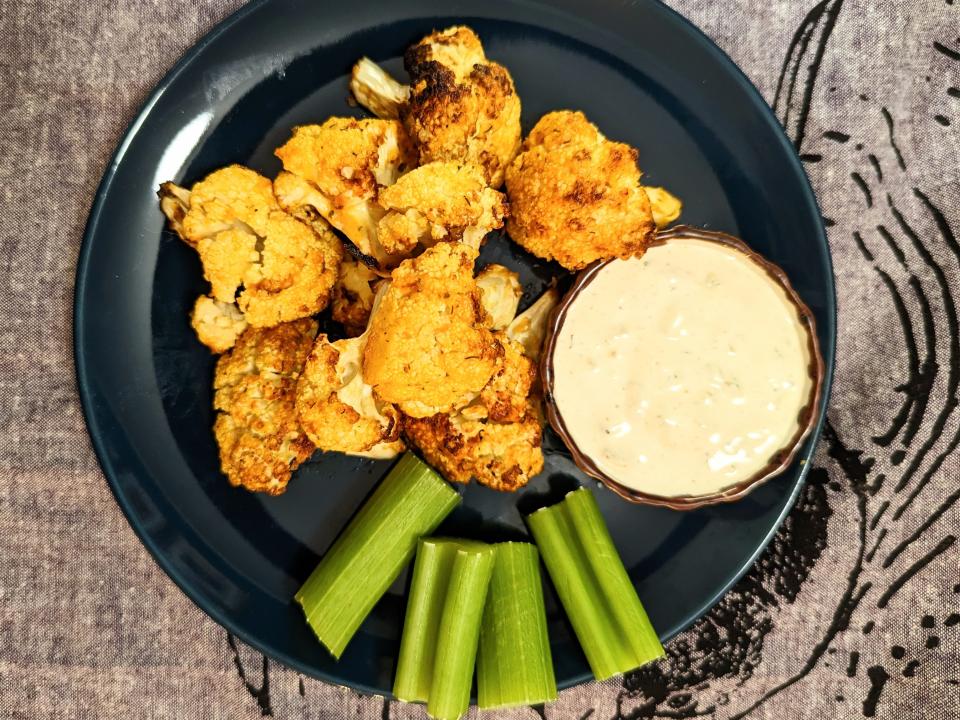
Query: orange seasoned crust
x=274, y=267
x=337, y=409
x=256, y=428
x=462, y=106
x=575, y=196
x=439, y=201
x=496, y=439
x=337, y=168
x=429, y=346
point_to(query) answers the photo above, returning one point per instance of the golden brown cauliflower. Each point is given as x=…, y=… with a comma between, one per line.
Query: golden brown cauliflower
x=575, y=196
x=496, y=438
x=232, y=197
x=439, y=201
x=459, y=106
x=338, y=168
x=502, y=456
x=353, y=295
x=260, y=441
x=429, y=346
x=338, y=410
x=274, y=267
x=217, y=324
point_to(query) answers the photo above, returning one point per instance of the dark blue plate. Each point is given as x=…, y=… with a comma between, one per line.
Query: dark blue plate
x=642, y=73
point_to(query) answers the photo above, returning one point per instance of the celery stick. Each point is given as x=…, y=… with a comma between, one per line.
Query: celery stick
x=367, y=557
x=428, y=592
x=442, y=625
x=514, y=666
x=459, y=634
x=593, y=585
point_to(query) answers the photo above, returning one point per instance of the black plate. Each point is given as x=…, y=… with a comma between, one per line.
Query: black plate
x=642, y=73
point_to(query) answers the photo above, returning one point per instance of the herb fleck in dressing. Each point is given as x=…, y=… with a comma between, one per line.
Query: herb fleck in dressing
x=697, y=384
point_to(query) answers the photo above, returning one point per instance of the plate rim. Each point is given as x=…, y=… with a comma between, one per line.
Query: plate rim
x=97, y=438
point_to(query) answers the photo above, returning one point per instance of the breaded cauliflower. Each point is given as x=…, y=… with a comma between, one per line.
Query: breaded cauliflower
x=575, y=196
x=217, y=324
x=439, y=201
x=274, y=267
x=429, y=345
x=502, y=456
x=338, y=168
x=338, y=410
x=506, y=398
x=260, y=440
x=353, y=295
x=232, y=197
x=459, y=106
x=496, y=438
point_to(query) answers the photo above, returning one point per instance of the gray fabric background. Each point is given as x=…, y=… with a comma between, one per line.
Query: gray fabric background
x=91, y=628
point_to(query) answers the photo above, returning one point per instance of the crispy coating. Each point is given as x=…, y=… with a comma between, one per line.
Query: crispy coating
x=337, y=168
x=275, y=267
x=338, y=410
x=429, y=346
x=462, y=106
x=217, y=324
x=496, y=439
x=296, y=273
x=439, y=201
x=232, y=197
x=575, y=196
x=256, y=429
x=353, y=296
x=506, y=398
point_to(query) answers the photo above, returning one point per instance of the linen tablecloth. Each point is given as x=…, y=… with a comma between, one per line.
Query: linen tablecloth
x=851, y=612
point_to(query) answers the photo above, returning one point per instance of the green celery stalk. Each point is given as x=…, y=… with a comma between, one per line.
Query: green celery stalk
x=369, y=555
x=593, y=585
x=442, y=626
x=514, y=666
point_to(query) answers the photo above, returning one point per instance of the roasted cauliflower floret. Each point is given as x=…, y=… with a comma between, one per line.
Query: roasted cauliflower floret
x=439, y=201
x=338, y=168
x=353, y=295
x=502, y=456
x=232, y=197
x=506, y=398
x=496, y=438
x=500, y=291
x=274, y=267
x=217, y=324
x=338, y=410
x=256, y=428
x=429, y=345
x=459, y=106
x=575, y=196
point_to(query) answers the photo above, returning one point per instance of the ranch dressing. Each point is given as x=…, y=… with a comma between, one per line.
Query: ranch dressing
x=682, y=372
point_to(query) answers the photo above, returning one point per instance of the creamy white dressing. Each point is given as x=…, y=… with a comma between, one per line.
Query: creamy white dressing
x=682, y=372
